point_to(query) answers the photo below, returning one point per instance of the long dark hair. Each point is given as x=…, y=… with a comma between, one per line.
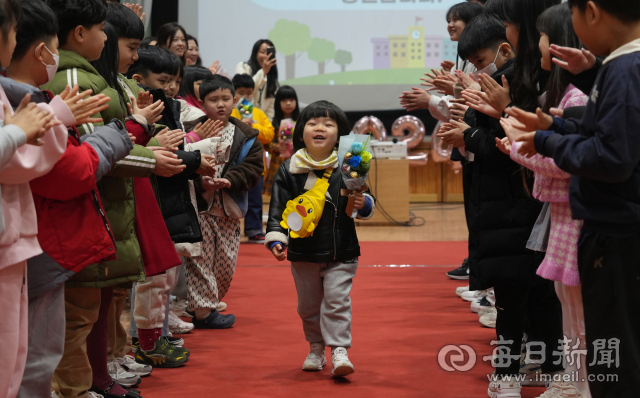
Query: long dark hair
x=465, y=11
x=320, y=109
x=107, y=64
x=10, y=13
x=285, y=92
x=167, y=33
x=199, y=61
x=272, y=76
x=555, y=22
x=529, y=79
x=192, y=73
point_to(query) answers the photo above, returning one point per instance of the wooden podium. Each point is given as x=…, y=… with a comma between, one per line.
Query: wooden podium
x=389, y=183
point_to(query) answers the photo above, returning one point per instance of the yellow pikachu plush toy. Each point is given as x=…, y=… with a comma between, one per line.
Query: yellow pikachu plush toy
x=302, y=214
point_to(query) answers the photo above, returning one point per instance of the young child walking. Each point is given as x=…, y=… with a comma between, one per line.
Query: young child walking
x=323, y=265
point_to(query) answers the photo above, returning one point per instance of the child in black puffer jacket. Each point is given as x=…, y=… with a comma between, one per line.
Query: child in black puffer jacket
x=323, y=264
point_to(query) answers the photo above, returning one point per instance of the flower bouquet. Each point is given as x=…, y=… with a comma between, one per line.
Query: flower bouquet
x=245, y=108
x=285, y=138
x=354, y=159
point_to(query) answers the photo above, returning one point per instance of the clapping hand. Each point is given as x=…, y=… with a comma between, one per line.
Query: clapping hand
x=82, y=107
x=530, y=121
x=210, y=128
x=572, y=59
x=416, y=99
x=497, y=96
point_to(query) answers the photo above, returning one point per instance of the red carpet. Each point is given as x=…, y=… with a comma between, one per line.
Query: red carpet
x=402, y=317
x=376, y=253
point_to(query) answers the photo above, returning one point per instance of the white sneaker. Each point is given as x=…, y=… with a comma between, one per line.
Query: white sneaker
x=316, y=358
x=130, y=365
x=94, y=395
x=341, y=364
x=554, y=389
x=177, y=325
x=487, y=310
x=221, y=306
x=473, y=295
x=179, y=307
x=462, y=289
x=121, y=376
x=489, y=319
x=480, y=304
x=507, y=387
x=569, y=391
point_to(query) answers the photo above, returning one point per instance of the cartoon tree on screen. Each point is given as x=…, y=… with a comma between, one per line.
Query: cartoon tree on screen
x=290, y=37
x=321, y=51
x=343, y=58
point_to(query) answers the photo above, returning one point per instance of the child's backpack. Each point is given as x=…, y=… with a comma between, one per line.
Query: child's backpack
x=302, y=214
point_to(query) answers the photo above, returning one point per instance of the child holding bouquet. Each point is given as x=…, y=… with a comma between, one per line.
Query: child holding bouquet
x=310, y=219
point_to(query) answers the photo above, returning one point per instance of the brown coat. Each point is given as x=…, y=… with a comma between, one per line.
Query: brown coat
x=245, y=175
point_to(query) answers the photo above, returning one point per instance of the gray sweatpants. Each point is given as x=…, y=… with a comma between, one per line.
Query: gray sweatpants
x=46, y=343
x=323, y=300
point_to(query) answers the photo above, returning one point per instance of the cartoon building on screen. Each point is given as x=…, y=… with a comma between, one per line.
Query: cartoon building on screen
x=414, y=50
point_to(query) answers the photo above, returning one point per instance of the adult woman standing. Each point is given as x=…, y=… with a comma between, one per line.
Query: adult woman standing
x=173, y=37
x=262, y=66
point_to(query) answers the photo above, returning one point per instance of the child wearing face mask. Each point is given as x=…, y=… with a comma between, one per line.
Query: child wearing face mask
x=325, y=263
x=38, y=139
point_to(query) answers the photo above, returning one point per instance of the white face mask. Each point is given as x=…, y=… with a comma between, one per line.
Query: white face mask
x=52, y=69
x=489, y=69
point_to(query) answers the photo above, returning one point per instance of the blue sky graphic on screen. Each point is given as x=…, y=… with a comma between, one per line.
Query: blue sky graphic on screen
x=332, y=43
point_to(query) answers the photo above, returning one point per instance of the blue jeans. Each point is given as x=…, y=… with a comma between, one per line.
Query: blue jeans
x=253, y=219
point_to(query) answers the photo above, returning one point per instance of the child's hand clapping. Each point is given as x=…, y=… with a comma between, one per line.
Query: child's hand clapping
x=152, y=113
x=530, y=121
x=279, y=252
x=504, y=145
x=458, y=109
x=478, y=101
x=442, y=81
x=447, y=65
x=496, y=95
x=467, y=81
x=31, y=119
x=416, y=99
x=210, y=128
x=167, y=163
x=83, y=108
x=512, y=128
x=527, y=148
x=212, y=184
x=207, y=165
x=572, y=59
x=170, y=140
x=453, y=133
